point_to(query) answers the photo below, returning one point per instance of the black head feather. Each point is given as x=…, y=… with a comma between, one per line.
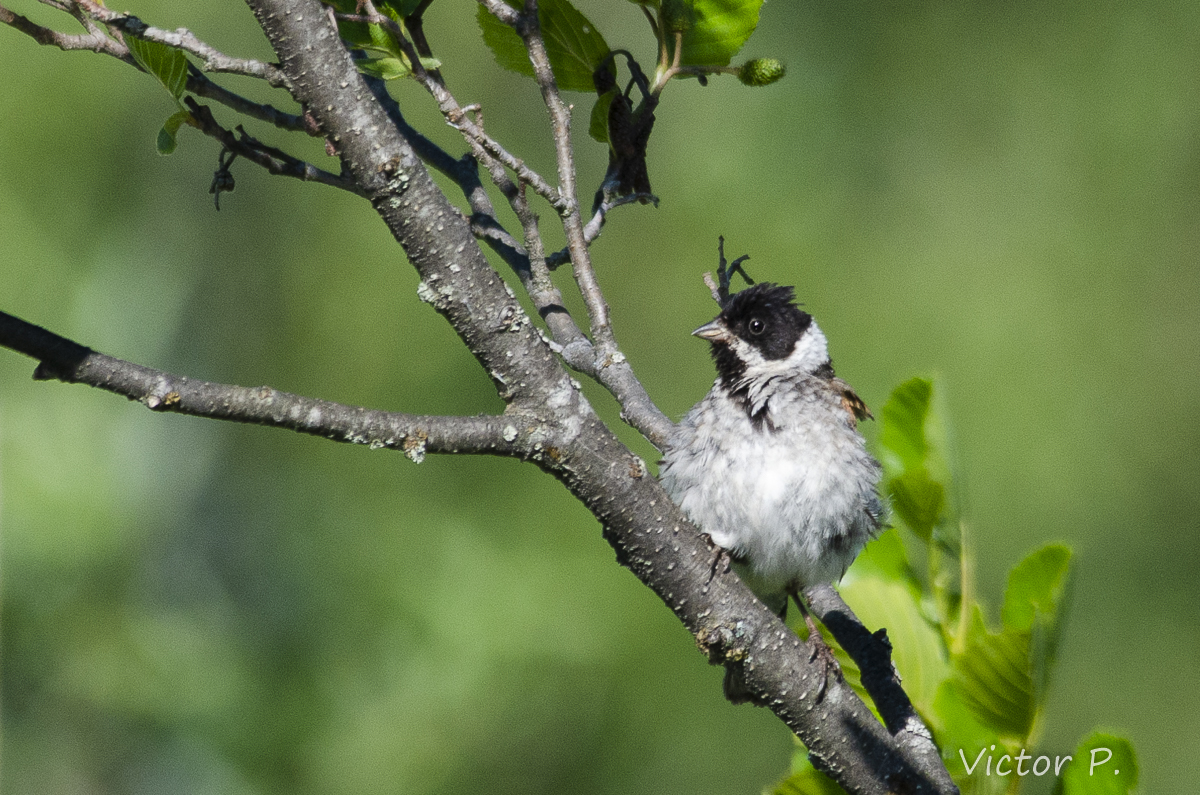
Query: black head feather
x=766, y=316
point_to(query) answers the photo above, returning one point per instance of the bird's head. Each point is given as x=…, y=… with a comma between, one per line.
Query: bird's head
x=761, y=334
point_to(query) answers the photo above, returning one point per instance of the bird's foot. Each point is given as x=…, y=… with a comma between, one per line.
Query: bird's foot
x=720, y=563
x=820, y=651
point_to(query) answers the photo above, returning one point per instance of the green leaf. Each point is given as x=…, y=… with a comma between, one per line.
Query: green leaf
x=386, y=68
x=902, y=425
x=598, y=126
x=1104, y=764
x=167, y=64
x=166, y=136
x=573, y=44
x=807, y=780
x=716, y=30
x=1035, y=587
x=1033, y=602
x=885, y=558
x=994, y=679
x=390, y=68
x=956, y=727
x=918, y=500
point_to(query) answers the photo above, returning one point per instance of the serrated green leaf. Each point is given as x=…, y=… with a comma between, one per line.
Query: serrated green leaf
x=902, y=426
x=918, y=500
x=1104, y=764
x=385, y=68
x=1033, y=603
x=166, y=136
x=1035, y=586
x=167, y=64
x=598, y=126
x=573, y=44
x=716, y=30
x=993, y=677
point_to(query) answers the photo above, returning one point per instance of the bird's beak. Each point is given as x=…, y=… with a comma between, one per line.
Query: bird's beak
x=714, y=331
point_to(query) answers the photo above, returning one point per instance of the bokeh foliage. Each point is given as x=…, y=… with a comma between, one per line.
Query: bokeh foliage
x=1004, y=194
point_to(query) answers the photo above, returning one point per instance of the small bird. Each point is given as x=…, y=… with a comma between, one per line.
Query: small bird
x=770, y=464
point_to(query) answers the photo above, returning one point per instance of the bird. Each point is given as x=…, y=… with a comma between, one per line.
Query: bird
x=770, y=464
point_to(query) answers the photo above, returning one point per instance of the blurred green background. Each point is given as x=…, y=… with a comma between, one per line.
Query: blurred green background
x=1005, y=195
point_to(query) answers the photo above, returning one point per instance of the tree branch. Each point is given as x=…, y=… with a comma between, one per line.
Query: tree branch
x=415, y=435
x=609, y=367
x=201, y=86
x=212, y=59
x=274, y=160
x=647, y=530
x=547, y=419
x=872, y=652
x=94, y=40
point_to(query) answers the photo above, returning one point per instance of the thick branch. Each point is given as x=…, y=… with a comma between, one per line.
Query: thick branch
x=872, y=652
x=607, y=366
x=557, y=428
x=415, y=435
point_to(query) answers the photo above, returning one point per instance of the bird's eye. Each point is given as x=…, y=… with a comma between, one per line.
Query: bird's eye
x=756, y=326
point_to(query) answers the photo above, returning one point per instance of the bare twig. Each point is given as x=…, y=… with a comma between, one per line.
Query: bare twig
x=415, y=22
x=201, y=86
x=94, y=40
x=274, y=160
x=183, y=39
x=592, y=229
x=460, y=119
x=609, y=365
x=725, y=272
x=560, y=116
x=414, y=435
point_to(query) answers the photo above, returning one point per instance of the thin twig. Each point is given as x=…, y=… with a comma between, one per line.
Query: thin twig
x=560, y=115
x=95, y=41
x=183, y=39
x=201, y=86
x=274, y=160
x=415, y=22
x=592, y=228
x=526, y=261
x=197, y=83
x=609, y=365
x=460, y=119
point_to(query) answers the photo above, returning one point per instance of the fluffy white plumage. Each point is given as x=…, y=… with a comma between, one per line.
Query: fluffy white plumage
x=770, y=463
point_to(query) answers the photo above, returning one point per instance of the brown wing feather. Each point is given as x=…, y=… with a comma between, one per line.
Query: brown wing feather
x=852, y=403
